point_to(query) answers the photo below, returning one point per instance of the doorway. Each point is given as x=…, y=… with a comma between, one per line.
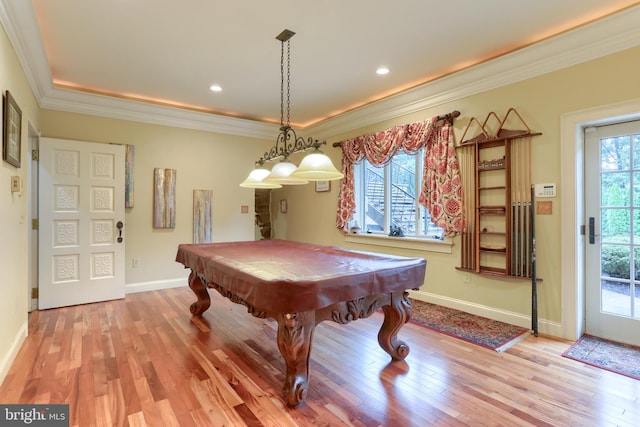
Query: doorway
x=572, y=214
x=612, y=252
x=32, y=191
x=263, y=213
x=81, y=222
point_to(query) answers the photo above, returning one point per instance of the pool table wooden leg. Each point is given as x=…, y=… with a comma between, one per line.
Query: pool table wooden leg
x=200, y=289
x=396, y=314
x=295, y=332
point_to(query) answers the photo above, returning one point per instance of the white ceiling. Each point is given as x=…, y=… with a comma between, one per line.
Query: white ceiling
x=168, y=52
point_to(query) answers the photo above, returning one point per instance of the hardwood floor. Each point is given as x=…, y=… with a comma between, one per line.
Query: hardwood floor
x=145, y=361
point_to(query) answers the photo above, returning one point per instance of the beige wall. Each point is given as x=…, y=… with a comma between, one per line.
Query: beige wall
x=202, y=160
x=14, y=215
x=541, y=101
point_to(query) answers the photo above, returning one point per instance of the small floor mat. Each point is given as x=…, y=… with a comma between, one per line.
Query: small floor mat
x=623, y=359
x=478, y=330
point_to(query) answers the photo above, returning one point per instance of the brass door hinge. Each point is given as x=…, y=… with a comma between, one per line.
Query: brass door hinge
x=35, y=155
x=35, y=224
x=34, y=293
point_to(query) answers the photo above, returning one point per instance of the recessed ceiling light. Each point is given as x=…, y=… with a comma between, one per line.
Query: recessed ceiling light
x=382, y=71
x=215, y=88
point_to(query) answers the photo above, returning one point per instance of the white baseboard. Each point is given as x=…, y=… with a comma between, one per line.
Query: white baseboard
x=132, y=288
x=8, y=359
x=544, y=326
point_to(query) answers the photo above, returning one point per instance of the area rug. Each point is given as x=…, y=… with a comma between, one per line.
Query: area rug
x=616, y=357
x=478, y=330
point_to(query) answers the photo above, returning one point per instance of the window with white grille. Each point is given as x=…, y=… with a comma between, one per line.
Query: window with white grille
x=387, y=199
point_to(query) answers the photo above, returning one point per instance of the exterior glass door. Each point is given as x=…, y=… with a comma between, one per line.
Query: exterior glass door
x=612, y=198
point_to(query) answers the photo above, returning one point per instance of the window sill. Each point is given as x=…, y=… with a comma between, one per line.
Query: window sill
x=431, y=245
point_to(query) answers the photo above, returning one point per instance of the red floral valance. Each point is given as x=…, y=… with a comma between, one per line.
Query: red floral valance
x=441, y=186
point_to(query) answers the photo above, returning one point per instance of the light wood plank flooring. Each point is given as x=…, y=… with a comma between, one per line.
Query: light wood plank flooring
x=145, y=361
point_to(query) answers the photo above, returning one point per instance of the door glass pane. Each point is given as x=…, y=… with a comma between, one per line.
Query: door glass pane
x=636, y=226
x=636, y=282
x=636, y=262
x=616, y=297
x=374, y=198
x=636, y=151
x=615, y=261
x=615, y=225
x=615, y=153
x=615, y=189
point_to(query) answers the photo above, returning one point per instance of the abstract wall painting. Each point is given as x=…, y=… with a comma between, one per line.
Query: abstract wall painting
x=164, y=198
x=129, y=158
x=202, y=216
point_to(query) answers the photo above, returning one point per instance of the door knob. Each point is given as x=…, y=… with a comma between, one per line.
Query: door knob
x=119, y=225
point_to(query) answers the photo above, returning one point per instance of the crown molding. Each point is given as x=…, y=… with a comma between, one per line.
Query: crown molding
x=604, y=37
x=116, y=108
x=27, y=44
x=32, y=56
x=601, y=38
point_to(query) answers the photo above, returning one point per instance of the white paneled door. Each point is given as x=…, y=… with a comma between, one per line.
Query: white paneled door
x=81, y=216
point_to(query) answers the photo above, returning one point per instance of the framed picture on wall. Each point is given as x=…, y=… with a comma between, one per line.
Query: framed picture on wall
x=12, y=121
x=202, y=216
x=322, y=186
x=164, y=198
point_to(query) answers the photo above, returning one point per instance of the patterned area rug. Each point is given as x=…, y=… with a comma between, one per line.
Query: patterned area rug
x=620, y=358
x=475, y=329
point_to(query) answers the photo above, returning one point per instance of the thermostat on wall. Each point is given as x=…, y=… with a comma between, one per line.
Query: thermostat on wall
x=545, y=190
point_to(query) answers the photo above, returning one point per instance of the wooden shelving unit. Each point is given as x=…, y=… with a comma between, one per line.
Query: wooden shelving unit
x=496, y=241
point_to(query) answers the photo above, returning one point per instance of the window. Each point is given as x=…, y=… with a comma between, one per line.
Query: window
x=387, y=198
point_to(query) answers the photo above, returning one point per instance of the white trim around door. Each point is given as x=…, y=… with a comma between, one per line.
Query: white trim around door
x=572, y=127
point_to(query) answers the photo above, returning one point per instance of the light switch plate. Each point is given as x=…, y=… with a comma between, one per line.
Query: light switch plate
x=16, y=184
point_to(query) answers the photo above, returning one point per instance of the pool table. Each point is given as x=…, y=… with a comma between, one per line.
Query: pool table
x=300, y=285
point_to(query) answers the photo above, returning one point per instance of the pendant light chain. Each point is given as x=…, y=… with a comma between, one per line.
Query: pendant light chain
x=288, y=82
x=314, y=167
x=281, y=83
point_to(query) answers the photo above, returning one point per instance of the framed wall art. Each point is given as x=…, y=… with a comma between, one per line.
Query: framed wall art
x=129, y=159
x=202, y=216
x=12, y=121
x=164, y=198
x=322, y=186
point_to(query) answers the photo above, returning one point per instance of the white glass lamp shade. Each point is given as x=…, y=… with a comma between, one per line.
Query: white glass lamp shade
x=256, y=180
x=281, y=174
x=317, y=167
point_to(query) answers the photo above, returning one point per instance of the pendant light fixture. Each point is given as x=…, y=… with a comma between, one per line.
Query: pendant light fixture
x=256, y=178
x=314, y=167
